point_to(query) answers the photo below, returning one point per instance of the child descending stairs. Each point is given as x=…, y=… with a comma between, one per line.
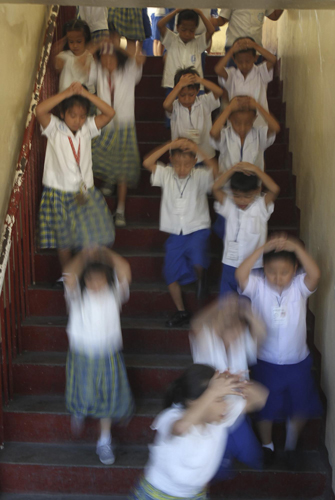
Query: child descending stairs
x=41, y=460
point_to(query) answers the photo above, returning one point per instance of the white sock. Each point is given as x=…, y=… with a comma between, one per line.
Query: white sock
x=291, y=436
x=105, y=438
x=270, y=446
x=120, y=208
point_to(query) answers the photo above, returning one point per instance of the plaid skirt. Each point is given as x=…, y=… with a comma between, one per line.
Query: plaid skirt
x=99, y=35
x=126, y=22
x=116, y=157
x=63, y=223
x=145, y=491
x=98, y=387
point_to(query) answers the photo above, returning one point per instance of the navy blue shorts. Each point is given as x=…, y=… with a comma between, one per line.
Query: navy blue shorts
x=183, y=252
x=156, y=35
x=228, y=281
x=219, y=227
x=293, y=392
x=146, y=23
x=231, y=62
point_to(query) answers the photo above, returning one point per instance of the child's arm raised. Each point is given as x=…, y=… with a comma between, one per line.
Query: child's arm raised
x=57, y=48
x=218, y=194
x=163, y=22
x=311, y=268
x=184, y=81
x=211, y=163
x=43, y=110
x=220, y=68
x=219, y=123
x=150, y=160
x=210, y=30
x=212, y=87
x=273, y=124
x=107, y=112
x=121, y=265
x=271, y=59
x=271, y=186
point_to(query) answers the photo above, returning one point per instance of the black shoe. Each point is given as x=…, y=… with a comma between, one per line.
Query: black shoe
x=268, y=457
x=178, y=319
x=291, y=459
x=202, y=288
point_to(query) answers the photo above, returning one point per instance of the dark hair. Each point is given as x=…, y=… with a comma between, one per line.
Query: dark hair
x=188, y=15
x=121, y=57
x=77, y=25
x=97, y=267
x=283, y=255
x=253, y=51
x=178, y=151
x=74, y=100
x=187, y=71
x=244, y=183
x=189, y=386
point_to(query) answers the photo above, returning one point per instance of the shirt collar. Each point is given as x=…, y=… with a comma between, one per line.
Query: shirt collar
x=250, y=76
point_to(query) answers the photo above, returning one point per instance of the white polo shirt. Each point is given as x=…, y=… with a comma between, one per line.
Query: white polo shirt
x=246, y=230
x=96, y=17
x=184, y=204
x=232, y=152
x=73, y=71
x=285, y=319
x=182, y=466
x=244, y=22
x=195, y=124
x=182, y=55
x=60, y=167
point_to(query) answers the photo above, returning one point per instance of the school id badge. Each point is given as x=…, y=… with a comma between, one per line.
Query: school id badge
x=279, y=316
x=82, y=196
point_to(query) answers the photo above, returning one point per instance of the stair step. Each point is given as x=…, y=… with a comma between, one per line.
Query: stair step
x=27, y=467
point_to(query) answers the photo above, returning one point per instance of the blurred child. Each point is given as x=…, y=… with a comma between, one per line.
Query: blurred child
x=127, y=22
x=97, y=19
x=191, y=434
x=73, y=213
x=116, y=158
x=241, y=140
x=247, y=78
x=157, y=15
x=183, y=48
x=96, y=285
x=70, y=55
x=225, y=335
x=284, y=362
x=246, y=214
x=191, y=115
x=185, y=215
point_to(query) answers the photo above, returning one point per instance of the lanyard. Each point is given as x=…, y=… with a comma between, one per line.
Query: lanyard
x=182, y=191
x=111, y=88
x=279, y=301
x=75, y=154
x=238, y=224
x=241, y=152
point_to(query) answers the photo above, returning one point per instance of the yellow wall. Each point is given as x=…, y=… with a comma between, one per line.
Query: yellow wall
x=306, y=41
x=22, y=30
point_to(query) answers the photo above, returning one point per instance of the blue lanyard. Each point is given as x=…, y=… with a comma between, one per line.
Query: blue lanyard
x=182, y=191
x=238, y=225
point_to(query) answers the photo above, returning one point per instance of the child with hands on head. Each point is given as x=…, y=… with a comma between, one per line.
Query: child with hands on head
x=190, y=114
x=284, y=361
x=191, y=434
x=246, y=212
x=184, y=213
x=96, y=285
x=73, y=214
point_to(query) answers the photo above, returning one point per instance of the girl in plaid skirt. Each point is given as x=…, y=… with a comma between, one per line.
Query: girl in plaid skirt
x=116, y=158
x=73, y=214
x=128, y=23
x=96, y=285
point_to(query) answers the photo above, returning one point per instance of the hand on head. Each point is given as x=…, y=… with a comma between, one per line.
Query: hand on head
x=226, y=384
x=243, y=103
x=277, y=242
x=184, y=144
x=75, y=88
x=188, y=79
x=245, y=167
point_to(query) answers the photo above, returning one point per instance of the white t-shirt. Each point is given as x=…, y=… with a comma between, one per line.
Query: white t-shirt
x=201, y=26
x=94, y=318
x=285, y=319
x=182, y=55
x=96, y=17
x=246, y=230
x=189, y=212
x=231, y=151
x=73, y=71
x=244, y=22
x=60, y=167
x=209, y=349
x=196, y=123
x=181, y=466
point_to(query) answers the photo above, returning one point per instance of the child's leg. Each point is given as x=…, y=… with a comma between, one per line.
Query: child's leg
x=64, y=255
x=265, y=432
x=131, y=46
x=104, y=448
x=293, y=430
x=120, y=219
x=175, y=292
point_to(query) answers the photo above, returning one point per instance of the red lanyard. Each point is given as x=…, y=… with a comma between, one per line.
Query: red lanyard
x=111, y=88
x=75, y=154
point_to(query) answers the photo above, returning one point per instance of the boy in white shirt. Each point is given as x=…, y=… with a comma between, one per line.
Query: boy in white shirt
x=246, y=214
x=185, y=215
x=190, y=114
x=284, y=362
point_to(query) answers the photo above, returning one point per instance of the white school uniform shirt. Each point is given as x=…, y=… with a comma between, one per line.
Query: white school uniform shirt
x=123, y=82
x=285, y=319
x=60, y=167
x=244, y=22
x=209, y=349
x=246, y=230
x=184, y=204
x=232, y=152
x=94, y=325
x=96, y=17
x=195, y=124
x=181, y=466
x=73, y=71
x=182, y=55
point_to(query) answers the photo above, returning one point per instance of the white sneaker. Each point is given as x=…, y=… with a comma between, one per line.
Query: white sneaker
x=107, y=190
x=120, y=220
x=106, y=454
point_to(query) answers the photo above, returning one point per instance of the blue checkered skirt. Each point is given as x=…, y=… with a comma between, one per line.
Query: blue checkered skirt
x=63, y=223
x=116, y=157
x=98, y=386
x=126, y=22
x=145, y=491
x=99, y=35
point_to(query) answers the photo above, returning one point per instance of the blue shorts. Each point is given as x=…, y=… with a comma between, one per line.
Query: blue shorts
x=231, y=62
x=293, y=392
x=156, y=35
x=146, y=23
x=219, y=227
x=183, y=252
x=228, y=281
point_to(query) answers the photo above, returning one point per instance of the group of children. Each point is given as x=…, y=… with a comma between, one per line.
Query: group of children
x=204, y=423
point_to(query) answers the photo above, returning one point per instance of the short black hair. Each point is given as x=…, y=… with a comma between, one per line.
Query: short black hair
x=74, y=100
x=188, y=15
x=244, y=183
x=253, y=51
x=77, y=25
x=189, y=386
x=178, y=151
x=283, y=255
x=187, y=71
x=97, y=267
x=120, y=55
